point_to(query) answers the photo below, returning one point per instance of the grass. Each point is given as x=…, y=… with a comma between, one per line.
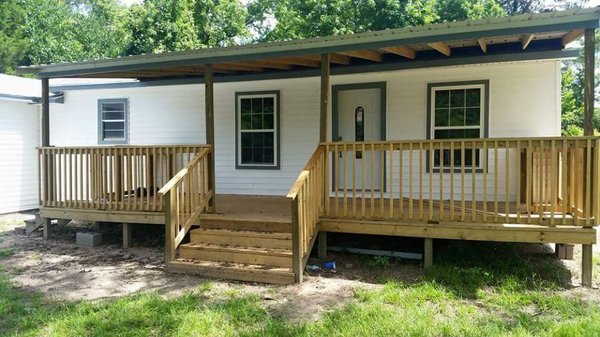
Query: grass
x=473, y=290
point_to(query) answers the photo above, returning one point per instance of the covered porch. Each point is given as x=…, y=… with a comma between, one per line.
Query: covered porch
x=518, y=189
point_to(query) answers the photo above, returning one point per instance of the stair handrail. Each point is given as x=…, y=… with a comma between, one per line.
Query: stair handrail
x=306, y=196
x=186, y=196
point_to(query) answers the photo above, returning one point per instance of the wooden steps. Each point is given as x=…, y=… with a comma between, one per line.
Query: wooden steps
x=255, y=250
x=229, y=271
x=242, y=238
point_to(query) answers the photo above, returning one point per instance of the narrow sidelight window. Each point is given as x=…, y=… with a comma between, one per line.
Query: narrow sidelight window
x=257, y=130
x=457, y=112
x=112, y=119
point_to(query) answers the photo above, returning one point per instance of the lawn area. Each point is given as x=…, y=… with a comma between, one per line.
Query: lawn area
x=476, y=289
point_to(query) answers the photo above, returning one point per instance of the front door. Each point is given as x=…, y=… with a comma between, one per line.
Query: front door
x=359, y=119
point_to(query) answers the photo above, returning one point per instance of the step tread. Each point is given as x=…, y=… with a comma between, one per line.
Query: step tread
x=244, y=218
x=238, y=249
x=245, y=233
x=233, y=271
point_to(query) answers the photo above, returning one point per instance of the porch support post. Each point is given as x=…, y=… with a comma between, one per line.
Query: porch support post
x=324, y=107
x=126, y=235
x=210, y=130
x=588, y=130
x=428, y=253
x=588, y=82
x=45, y=141
x=324, y=97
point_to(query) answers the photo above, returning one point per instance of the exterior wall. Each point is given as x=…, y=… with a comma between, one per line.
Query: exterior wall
x=524, y=101
x=19, y=137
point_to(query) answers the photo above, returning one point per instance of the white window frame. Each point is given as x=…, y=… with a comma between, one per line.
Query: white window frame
x=274, y=130
x=125, y=120
x=482, y=115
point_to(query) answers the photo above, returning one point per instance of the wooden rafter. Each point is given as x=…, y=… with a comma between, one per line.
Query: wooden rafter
x=364, y=54
x=571, y=36
x=526, y=40
x=296, y=61
x=441, y=47
x=240, y=67
x=402, y=51
x=333, y=58
x=264, y=64
x=482, y=44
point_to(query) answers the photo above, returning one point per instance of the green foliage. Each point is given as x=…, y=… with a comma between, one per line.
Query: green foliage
x=476, y=289
x=379, y=262
x=167, y=25
x=302, y=19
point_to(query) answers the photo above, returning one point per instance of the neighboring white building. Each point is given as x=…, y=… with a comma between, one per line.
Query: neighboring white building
x=19, y=137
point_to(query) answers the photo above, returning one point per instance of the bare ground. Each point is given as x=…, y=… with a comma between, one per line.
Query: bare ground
x=60, y=269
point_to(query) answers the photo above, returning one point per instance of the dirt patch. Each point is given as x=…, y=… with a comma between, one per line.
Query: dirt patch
x=60, y=269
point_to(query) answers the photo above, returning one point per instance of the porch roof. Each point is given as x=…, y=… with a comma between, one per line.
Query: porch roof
x=522, y=37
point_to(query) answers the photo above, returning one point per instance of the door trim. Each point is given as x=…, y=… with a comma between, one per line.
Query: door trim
x=335, y=89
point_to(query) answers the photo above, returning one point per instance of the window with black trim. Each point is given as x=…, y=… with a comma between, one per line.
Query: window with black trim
x=112, y=120
x=457, y=112
x=257, y=130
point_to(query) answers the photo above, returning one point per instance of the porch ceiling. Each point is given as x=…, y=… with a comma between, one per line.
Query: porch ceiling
x=521, y=35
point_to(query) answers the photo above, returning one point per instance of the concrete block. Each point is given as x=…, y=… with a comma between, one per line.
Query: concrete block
x=87, y=239
x=564, y=251
x=21, y=230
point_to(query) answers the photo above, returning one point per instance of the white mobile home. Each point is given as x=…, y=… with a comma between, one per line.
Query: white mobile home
x=443, y=131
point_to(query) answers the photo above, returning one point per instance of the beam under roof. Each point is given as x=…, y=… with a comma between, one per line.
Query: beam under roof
x=442, y=47
x=402, y=51
x=370, y=55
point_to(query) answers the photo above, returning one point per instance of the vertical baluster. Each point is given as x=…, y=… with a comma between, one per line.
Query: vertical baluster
x=518, y=174
x=485, y=172
x=400, y=180
x=421, y=157
x=529, y=181
x=496, y=173
x=431, y=174
x=442, y=166
x=462, y=181
x=372, y=178
x=541, y=205
x=451, y=180
x=345, y=179
x=336, y=181
x=354, y=180
x=410, y=180
x=474, y=166
x=391, y=183
x=506, y=180
x=588, y=181
x=363, y=180
x=553, y=182
x=563, y=176
x=381, y=180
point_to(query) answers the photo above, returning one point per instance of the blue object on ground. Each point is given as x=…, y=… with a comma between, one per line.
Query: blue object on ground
x=329, y=265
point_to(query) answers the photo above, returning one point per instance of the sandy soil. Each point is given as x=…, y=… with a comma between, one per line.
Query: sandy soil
x=58, y=268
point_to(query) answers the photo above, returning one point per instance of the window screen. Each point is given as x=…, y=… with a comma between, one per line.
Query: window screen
x=113, y=121
x=257, y=130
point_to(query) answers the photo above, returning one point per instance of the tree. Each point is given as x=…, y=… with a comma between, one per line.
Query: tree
x=14, y=45
x=310, y=18
x=170, y=25
x=572, y=102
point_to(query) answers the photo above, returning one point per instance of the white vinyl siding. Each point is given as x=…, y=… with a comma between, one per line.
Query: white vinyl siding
x=19, y=137
x=524, y=101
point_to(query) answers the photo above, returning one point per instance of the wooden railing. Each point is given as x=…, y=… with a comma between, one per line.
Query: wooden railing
x=110, y=177
x=306, y=196
x=549, y=181
x=186, y=196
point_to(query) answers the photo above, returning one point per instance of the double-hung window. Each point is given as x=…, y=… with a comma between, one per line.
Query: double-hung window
x=112, y=120
x=457, y=111
x=257, y=130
